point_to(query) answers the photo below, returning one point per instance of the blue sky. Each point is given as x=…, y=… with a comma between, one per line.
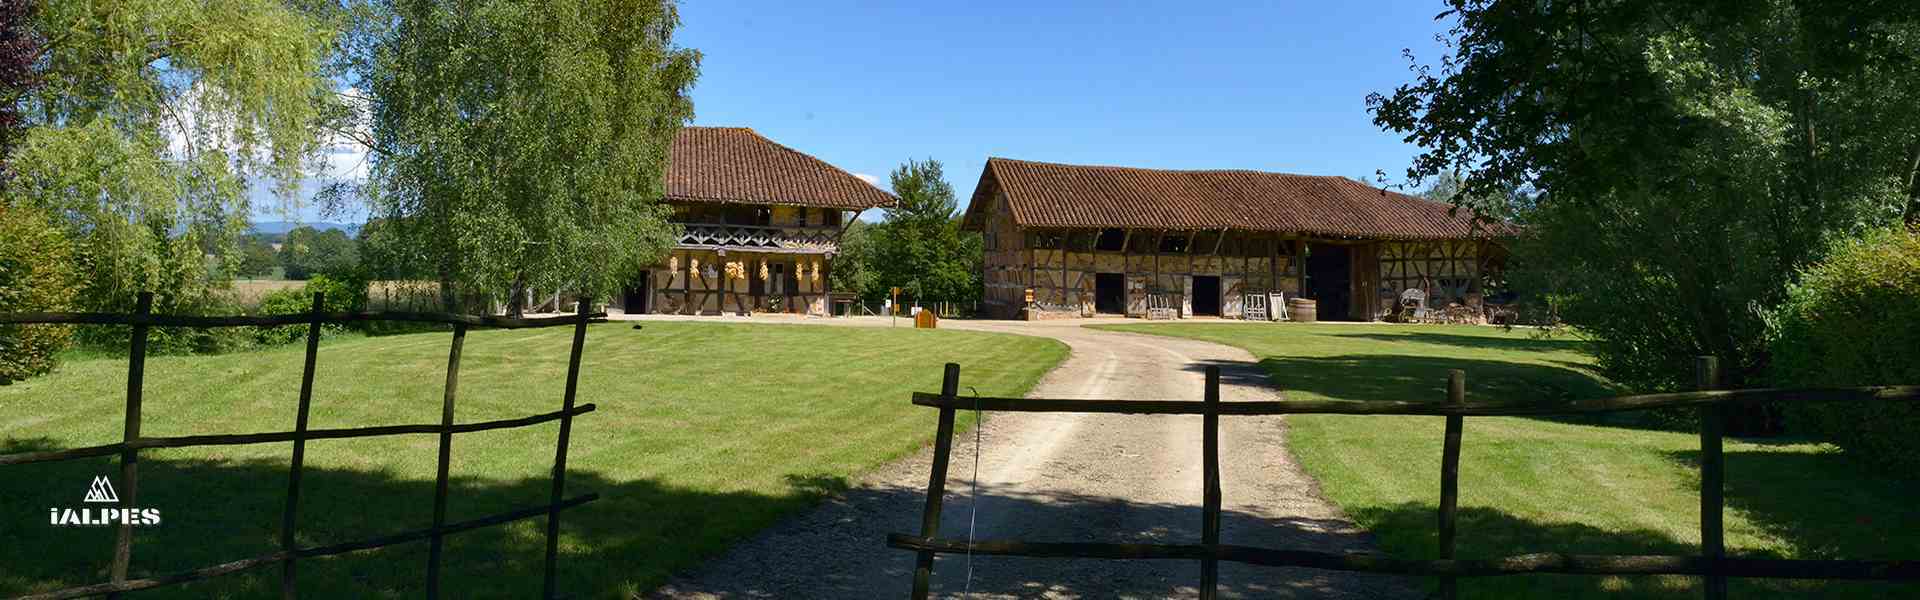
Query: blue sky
x=1253, y=85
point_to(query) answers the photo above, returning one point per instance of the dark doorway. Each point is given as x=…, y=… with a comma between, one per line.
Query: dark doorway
x=1330, y=280
x=1109, y=293
x=1206, y=295
x=635, y=297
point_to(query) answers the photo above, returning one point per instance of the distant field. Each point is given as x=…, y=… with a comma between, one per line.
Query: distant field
x=706, y=432
x=1534, y=485
x=248, y=292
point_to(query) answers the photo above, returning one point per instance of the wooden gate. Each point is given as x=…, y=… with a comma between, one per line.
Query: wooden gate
x=1712, y=562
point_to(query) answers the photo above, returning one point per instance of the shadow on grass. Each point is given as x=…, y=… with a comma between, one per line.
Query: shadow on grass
x=831, y=552
x=1527, y=343
x=1409, y=530
x=1372, y=377
x=1823, y=503
x=217, y=511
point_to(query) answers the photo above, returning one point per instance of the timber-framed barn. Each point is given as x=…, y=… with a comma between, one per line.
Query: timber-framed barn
x=1089, y=240
x=760, y=221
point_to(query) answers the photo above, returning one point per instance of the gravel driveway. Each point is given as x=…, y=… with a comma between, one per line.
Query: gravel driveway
x=1070, y=477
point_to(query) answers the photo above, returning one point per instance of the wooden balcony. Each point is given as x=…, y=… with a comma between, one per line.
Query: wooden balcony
x=789, y=240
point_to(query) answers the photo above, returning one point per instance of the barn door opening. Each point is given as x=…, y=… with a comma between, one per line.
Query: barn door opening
x=1330, y=281
x=1109, y=293
x=634, y=298
x=1206, y=295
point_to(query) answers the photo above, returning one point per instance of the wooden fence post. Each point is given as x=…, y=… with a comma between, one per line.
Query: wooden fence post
x=560, y=452
x=1713, y=543
x=130, y=457
x=1450, y=477
x=1210, y=476
x=288, y=570
x=446, y=456
x=937, y=483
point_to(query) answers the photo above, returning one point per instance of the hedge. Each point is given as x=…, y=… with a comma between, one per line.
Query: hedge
x=36, y=275
x=1853, y=320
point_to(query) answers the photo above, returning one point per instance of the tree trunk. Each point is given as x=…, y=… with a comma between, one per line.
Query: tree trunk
x=517, y=297
x=1913, y=190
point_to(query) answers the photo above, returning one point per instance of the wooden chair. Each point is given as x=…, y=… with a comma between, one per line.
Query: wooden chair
x=1255, y=308
x=1160, y=307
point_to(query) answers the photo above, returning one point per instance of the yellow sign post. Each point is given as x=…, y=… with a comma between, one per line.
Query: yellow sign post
x=895, y=313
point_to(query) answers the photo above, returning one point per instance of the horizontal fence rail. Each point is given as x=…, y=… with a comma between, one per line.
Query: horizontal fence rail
x=1712, y=564
x=132, y=442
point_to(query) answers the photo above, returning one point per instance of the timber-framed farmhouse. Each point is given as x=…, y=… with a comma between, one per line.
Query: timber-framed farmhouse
x=761, y=222
x=1115, y=240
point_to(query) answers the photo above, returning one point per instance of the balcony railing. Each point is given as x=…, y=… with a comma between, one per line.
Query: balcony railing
x=758, y=238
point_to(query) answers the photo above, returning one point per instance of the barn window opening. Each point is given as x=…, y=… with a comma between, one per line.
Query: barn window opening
x=1174, y=243
x=1111, y=240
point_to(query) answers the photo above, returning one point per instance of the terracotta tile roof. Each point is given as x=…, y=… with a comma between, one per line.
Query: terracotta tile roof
x=738, y=165
x=1056, y=195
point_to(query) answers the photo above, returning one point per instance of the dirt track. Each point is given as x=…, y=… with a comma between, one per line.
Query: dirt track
x=1064, y=477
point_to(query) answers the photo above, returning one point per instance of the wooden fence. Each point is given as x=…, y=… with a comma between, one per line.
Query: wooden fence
x=290, y=552
x=1712, y=562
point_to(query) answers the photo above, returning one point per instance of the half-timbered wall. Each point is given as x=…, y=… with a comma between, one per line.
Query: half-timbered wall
x=698, y=282
x=1449, y=270
x=1061, y=266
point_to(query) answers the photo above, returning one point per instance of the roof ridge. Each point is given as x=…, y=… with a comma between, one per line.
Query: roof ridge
x=991, y=159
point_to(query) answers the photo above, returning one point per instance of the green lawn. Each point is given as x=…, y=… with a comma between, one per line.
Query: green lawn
x=1536, y=485
x=706, y=432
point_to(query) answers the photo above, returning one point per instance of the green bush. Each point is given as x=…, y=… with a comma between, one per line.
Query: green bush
x=36, y=275
x=1854, y=320
x=292, y=301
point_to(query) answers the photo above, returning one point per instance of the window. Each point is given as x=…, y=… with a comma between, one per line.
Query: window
x=803, y=215
x=762, y=216
x=830, y=218
x=1174, y=243
x=1111, y=240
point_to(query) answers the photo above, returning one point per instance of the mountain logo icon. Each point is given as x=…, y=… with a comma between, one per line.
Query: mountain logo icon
x=101, y=491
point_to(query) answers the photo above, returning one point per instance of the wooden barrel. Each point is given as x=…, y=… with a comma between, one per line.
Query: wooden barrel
x=1303, y=310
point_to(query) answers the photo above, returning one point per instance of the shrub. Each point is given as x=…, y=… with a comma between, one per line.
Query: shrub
x=36, y=275
x=1854, y=320
x=298, y=300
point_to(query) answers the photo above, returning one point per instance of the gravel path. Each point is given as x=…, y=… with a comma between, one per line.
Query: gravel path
x=1070, y=477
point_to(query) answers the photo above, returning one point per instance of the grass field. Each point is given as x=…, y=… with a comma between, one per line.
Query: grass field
x=706, y=432
x=1535, y=485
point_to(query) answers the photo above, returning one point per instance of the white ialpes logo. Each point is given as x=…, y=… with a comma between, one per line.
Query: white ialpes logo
x=101, y=491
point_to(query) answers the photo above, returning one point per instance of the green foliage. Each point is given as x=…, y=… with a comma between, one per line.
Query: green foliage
x=340, y=297
x=308, y=252
x=1854, y=319
x=849, y=269
x=920, y=247
x=1680, y=161
x=523, y=143
x=36, y=275
x=150, y=118
x=257, y=257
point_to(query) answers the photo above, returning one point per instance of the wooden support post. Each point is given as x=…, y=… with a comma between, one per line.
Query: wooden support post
x=1713, y=543
x=1450, y=477
x=1210, y=476
x=446, y=456
x=937, y=483
x=130, y=458
x=560, y=451
x=288, y=517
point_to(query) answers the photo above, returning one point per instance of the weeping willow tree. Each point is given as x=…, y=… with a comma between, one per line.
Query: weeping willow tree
x=150, y=123
x=522, y=144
